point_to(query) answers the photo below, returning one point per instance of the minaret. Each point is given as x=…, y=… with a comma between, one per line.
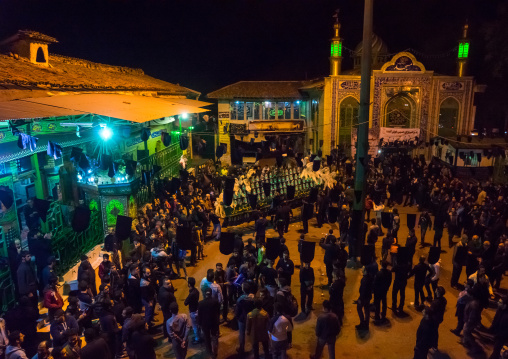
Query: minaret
x=336, y=49
x=463, y=53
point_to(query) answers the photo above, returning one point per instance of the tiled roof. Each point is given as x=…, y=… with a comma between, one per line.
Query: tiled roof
x=70, y=74
x=261, y=89
x=36, y=35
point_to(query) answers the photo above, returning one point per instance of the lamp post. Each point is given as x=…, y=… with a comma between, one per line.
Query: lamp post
x=362, y=145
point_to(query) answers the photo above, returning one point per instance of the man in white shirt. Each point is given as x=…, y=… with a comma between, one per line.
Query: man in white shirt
x=208, y=282
x=278, y=330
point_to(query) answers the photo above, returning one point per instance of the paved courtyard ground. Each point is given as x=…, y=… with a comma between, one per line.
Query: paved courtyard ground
x=395, y=340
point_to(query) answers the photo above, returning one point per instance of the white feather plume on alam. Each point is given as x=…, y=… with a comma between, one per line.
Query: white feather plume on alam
x=183, y=161
x=323, y=176
x=219, y=207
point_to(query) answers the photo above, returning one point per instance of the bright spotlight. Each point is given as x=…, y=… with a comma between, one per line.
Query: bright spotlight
x=185, y=116
x=105, y=133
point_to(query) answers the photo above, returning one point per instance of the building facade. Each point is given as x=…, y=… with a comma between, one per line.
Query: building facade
x=405, y=98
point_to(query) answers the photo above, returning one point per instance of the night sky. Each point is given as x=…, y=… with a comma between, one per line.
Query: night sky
x=207, y=44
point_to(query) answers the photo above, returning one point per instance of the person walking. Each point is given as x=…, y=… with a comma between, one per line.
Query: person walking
x=208, y=320
x=424, y=223
x=330, y=247
x=336, y=291
x=420, y=272
x=327, y=330
x=257, y=322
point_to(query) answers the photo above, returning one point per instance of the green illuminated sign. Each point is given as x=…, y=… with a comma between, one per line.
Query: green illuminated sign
x=336, y=49
x=463, y=50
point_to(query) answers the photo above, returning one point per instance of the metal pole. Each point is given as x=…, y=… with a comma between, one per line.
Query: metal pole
x=362, y=146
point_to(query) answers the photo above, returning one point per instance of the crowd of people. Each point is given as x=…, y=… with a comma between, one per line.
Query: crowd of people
x=251, y=292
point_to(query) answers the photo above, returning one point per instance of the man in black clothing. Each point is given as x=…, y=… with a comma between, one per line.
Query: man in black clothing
x=147, y=291
x=382, y=282
x=192, y=301
x=411, y=242
x=133, y=289
x=284, y=212
x=87, y=273
x=307, y=212
x=399, y=285
x=306, y=287
x=96, y=347
x=363, y=302
x=220, y=279
x=165, y=298
x=327, y=330
x=208, y=320
x=436, y=314
x=420, y=271
x=27, y=281
x=268, y=277
x=285, y=267
x=322, y=205
x=31, y=215
x=260, y=227
x=336, y=291
x=330, y=247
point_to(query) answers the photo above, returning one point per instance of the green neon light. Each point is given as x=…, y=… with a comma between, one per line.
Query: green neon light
x=463, y=50
x=466, y=49
x=336, y=49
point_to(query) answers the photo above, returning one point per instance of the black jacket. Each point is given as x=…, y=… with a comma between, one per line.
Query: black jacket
x=382, y=281
x=97, y=348
x=208, y=317
x=420, y=272
x=165, y=298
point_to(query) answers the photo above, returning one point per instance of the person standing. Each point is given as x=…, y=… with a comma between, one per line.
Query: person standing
x=500, y=328
x=440, y=221
x=307, y=212
x=285, y=267
x=411, y=242
x=424, y=223
x=192, y=301
x=327, y=330
x=52, y=298
x=165, y=298
x=306, y=287
x=14, y=350
x=260, y=227
x=27, y=281
x=459, y=260
x=178, y=327
x=257, y=322
x=436, y=313
x=87, y=273
x=399, y=286
x=49, y=271
x=208, y=320
x=279, y=328
x=363, y=302
x=382, y=282
x=147, y=291
x=330, y=247
x=336, y=292
x=244, y=305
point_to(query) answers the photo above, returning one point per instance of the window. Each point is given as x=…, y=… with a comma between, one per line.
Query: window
x=234, y=114
x=296, y=110
x=249, y=108
x=448, y=115
x=269, y=110
x=240, y=110
x=257, y=114
x=303, y=110
x=399, y=112
x=348, y=115
x=40, y=55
